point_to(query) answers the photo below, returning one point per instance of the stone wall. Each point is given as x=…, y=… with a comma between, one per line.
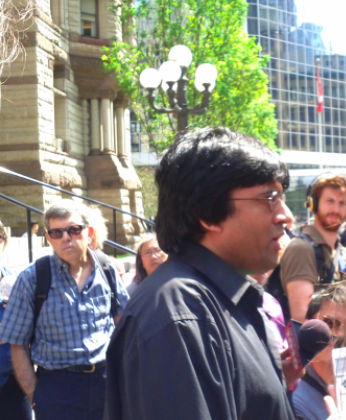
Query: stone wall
x=63, y=120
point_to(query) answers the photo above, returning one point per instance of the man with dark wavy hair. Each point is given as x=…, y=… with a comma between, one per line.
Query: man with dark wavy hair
x=194, y=342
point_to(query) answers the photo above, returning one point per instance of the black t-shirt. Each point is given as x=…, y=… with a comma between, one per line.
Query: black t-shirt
x=194, y=343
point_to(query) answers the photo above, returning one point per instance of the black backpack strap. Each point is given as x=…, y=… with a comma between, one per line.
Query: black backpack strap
x=325, y=274
x=314, y=384
x=43, y=282
x=274, y=287
x=102, y=259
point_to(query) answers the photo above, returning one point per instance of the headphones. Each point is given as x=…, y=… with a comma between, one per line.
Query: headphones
x=311, y=202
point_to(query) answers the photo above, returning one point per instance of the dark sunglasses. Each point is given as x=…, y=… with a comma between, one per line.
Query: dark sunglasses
x=71, y=231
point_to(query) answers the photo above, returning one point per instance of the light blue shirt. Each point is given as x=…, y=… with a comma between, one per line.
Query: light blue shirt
x=5, y=350
x=74, y=327
x=307, y=401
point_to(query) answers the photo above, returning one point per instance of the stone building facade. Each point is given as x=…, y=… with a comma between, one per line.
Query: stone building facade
x=63, y=120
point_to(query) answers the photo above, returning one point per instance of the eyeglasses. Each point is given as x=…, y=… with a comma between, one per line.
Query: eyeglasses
x=272, y=200
x=333, y=323
x=2, y=237
x=73, y=230
x=149, y=252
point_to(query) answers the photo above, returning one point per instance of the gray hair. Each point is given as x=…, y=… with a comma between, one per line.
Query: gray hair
x=98, y=222
x=64, y=208
x=3, y=233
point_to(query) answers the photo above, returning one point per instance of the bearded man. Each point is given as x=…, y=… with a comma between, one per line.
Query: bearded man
x=300, y=277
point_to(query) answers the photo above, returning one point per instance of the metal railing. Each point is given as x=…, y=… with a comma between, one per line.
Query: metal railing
x=30, y=209
x=147, y=224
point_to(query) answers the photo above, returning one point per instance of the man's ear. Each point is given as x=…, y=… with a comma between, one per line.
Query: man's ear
x=210, y=227
x=91, y=233
x=47, y=237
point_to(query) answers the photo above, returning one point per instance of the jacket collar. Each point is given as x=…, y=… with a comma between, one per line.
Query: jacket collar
x=229, y=281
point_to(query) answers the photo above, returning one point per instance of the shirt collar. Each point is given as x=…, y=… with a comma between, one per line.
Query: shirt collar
x=61, y=264
x=229, y=281
x=316, y=236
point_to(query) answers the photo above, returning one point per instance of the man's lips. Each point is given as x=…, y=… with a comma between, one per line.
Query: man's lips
x=278, y=236
x=276, y=240
x=67, y=247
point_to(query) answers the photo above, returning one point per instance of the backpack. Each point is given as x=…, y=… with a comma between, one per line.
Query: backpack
x=274, y=285
x=44, y=279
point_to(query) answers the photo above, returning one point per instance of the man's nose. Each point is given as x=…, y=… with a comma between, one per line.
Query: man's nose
x=65, y=235
x=282, y=213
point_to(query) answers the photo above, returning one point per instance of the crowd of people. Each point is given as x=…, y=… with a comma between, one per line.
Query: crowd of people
x=200, y=332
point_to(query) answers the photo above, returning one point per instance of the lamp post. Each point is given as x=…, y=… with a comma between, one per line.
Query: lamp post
x=172, y=78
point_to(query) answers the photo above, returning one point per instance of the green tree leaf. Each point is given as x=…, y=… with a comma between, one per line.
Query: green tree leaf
x=214, y=32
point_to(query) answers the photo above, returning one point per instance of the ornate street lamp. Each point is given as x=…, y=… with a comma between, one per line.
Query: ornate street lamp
x=171, y=77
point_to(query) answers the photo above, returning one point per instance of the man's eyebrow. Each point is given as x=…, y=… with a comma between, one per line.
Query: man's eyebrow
x=269, y=191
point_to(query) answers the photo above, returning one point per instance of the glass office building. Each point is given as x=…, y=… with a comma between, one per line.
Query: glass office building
x=298, y=35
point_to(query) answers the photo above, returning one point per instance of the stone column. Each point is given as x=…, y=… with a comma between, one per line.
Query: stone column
x=121, y=132
x=111, y=123
x=62, y=14
x=127, y=132
x=115, y=128
x=85, y=115
x=106, y=124
x=95, y=127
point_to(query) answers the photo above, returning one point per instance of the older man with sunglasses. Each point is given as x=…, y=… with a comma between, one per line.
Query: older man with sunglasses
x=69, y=338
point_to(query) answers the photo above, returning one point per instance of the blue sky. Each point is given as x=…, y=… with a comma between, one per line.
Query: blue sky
x=331, y=15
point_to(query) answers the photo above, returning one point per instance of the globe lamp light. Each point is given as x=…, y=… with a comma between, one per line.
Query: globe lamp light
x=181, y=54
x=150, y=78
x=170, y=71
x=206, y=73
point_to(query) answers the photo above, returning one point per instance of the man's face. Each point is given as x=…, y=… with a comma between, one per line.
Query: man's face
x=331, y=210
x=249, y=238
x=70, y=248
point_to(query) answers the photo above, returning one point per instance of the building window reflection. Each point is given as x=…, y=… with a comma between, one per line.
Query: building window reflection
x=294, y=43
